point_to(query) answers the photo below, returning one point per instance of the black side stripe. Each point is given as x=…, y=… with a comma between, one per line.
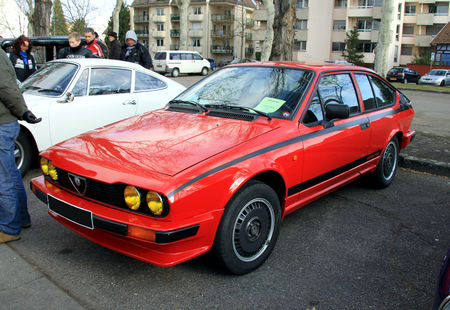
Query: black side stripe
x=331, y=174
x=284, y=144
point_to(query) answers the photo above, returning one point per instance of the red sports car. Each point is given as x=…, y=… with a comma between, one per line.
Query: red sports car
x=222, y=164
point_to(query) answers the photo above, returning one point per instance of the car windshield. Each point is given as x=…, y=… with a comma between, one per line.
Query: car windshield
x=51, y=80
x=396, y=70
x=437, y=72
x=273, y=91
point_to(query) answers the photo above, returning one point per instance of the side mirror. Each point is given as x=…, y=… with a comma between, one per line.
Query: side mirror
x=337, y=111
x=68, y=98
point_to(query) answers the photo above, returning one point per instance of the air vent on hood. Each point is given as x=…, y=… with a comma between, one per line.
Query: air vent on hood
x=239, y=116
x=184, y=109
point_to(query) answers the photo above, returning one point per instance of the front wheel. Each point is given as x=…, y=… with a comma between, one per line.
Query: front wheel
x=204, y=71
x=442, y=83
x=387, y=166
x=23, y=153
x=249, y=228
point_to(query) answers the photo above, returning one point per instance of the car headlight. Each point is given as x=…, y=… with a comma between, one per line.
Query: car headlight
x=44, y=165
x=52, y=171
x=155, y=203
x=132, y=197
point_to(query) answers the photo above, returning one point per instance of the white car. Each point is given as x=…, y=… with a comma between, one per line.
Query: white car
x=77, y=95
x=440, y=77
x=176, y=62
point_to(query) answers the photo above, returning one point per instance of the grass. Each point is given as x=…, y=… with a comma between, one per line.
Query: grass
x=411, y=86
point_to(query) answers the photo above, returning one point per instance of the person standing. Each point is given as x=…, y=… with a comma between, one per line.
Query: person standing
x=115, y=48
x=13, y=199
x=21, y=58
x=92, y=44
x=75, y=49
x=133, y=51
x=101, y=44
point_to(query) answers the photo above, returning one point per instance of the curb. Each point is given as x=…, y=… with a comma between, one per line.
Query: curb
x=425, y=165
x=425, y=90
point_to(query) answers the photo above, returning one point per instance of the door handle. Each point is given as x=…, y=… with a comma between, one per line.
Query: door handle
x=365, y=126
x=129, y=102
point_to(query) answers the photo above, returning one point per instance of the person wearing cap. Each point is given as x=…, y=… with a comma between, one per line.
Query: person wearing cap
x=133, y=51
x=115, y=47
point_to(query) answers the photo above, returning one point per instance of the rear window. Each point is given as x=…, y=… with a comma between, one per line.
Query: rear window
x=160, y=56
x=396, y=70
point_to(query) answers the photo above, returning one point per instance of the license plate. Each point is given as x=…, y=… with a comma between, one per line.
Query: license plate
x=394, y=79
x=159, y=66
x=70, y=212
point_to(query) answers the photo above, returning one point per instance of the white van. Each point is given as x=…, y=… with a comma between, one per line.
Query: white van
x=176, y=62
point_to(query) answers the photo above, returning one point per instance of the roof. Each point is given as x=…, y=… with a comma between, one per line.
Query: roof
x=314, y=66
x=102, y=62
x=443, y=36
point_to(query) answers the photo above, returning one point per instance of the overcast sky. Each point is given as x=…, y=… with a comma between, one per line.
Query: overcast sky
x=100, y=17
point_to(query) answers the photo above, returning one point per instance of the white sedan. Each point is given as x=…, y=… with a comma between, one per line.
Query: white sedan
x=77, y=95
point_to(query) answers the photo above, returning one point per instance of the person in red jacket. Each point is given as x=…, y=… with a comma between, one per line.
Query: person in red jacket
x=92, y=44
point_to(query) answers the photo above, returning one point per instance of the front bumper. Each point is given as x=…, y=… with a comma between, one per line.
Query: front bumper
x=110, y=227
x=430, y=82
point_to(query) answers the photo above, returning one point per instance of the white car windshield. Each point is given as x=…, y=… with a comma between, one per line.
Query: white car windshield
x=437, y=72
x=273, y=91
x=51, y=80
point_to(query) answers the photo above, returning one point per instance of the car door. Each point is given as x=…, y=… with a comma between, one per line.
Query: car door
x=333, y=148
x=100, y=96
x=187, y=63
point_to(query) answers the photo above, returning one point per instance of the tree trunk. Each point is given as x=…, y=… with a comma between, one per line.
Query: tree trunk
x=116, y=16
x=385, y=37
x=41, y=17
x=284, y=30
x=183, y=5
x=267, y=46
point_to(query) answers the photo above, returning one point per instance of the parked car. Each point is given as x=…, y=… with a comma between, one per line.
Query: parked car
x=238, y=61
x=226, y=160
x=212, y=62
x=442, y=296
x=77, y=95
x=176, y=62
x=440, y=77
x=402, y=75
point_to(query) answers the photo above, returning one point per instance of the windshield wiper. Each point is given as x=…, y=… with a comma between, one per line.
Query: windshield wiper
x=178, y=101
x=49, y=90
x=237, y=107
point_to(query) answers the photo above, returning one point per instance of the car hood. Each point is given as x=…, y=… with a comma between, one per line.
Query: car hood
x=433, y=77
x=34, y=100
x=161, y=141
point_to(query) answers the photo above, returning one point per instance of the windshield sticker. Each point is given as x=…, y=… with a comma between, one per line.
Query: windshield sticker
x=269, y=105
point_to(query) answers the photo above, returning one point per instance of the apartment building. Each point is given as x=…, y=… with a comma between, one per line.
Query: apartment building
x=225, y=29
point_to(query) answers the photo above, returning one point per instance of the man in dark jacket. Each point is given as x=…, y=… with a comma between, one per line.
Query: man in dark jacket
x=92, y=44
x=13, y=199
x=115, y=48
x=135, y=52
x=75, y=50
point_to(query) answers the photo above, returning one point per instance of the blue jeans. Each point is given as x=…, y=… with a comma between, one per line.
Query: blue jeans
x=13, y=198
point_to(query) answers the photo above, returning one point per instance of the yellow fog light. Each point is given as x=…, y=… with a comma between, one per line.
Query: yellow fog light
x=154, y=203
x=132, y=197
x=52, y=171
x=44, y=165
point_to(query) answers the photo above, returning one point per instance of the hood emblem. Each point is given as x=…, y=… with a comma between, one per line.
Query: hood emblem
x=78, y=183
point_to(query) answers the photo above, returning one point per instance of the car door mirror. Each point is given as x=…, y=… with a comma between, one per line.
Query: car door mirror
x=337, y=111
x=67, y=98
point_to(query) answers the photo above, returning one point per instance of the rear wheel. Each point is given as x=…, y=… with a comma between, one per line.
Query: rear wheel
x=175, y=72
x=405, y=81
x=387, y=166
x=249, y=228
x=23, y=153
x=204, y=71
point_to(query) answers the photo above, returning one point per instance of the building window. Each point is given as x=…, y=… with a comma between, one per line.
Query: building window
x=396, y=54
x=299, y=45
x=407, y=50
x=438, y=9
x=364, y=25
x=197, y=10
x=302, y=4
x=399, y=15
x=159, y=42
x=338, y=46
x=408, y=30
x=376, y=24
x=339, y=25
x=433, y=30
x=410, y=9
x=340, y=4
x=301, y=24
x=160, y=27
x=397, y=33
x=159, y=11
x=367, y=47
x=365, y=3
x=196, y=42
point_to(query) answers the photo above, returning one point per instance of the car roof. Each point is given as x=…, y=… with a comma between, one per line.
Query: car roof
x=92, y=62
x=313, y=66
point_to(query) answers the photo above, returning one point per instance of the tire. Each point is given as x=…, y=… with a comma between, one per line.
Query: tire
x=204, y=71
x=23, y=153
x=405, y=81
x=388, y=164
x=442, y=83
x=249, y=228
x=175, y=72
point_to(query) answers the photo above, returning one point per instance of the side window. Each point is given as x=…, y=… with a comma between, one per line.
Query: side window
x=384, y=95
x=80, y=88
x=314, y=113
x=339, y=88
x=366, y=92
x=145, y=82
x=186, y=56
x=197, y=57
x=109, y=81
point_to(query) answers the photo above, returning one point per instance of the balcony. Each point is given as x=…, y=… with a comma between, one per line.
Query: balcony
x=360, y=11
x=259, y=35
x=175, y=33
x=408, y=39
x=142, y=33
x=377, y=12
x=410, y=19
x=260, y=15
x=217, y=49
x=141, y=19
x=159, y=18
x=159, y=33
x=374, y=35
x=427, y=1
x=175, y=17
x=249, y=50
x=301, y=35
x=195, y=33
x=219, y=18
x=425, y=19
x=302, y=13
x=196, y=17
x=423, y=41
x=222, y=34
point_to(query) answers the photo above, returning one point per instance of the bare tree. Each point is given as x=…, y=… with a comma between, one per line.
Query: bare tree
x=284, y=29
x=78, y=10
x=267, y=46
x=27, y=8
x=183, y=5
x=13, y=24
x=115, y=16
x=41, y=17
x=385, y=37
